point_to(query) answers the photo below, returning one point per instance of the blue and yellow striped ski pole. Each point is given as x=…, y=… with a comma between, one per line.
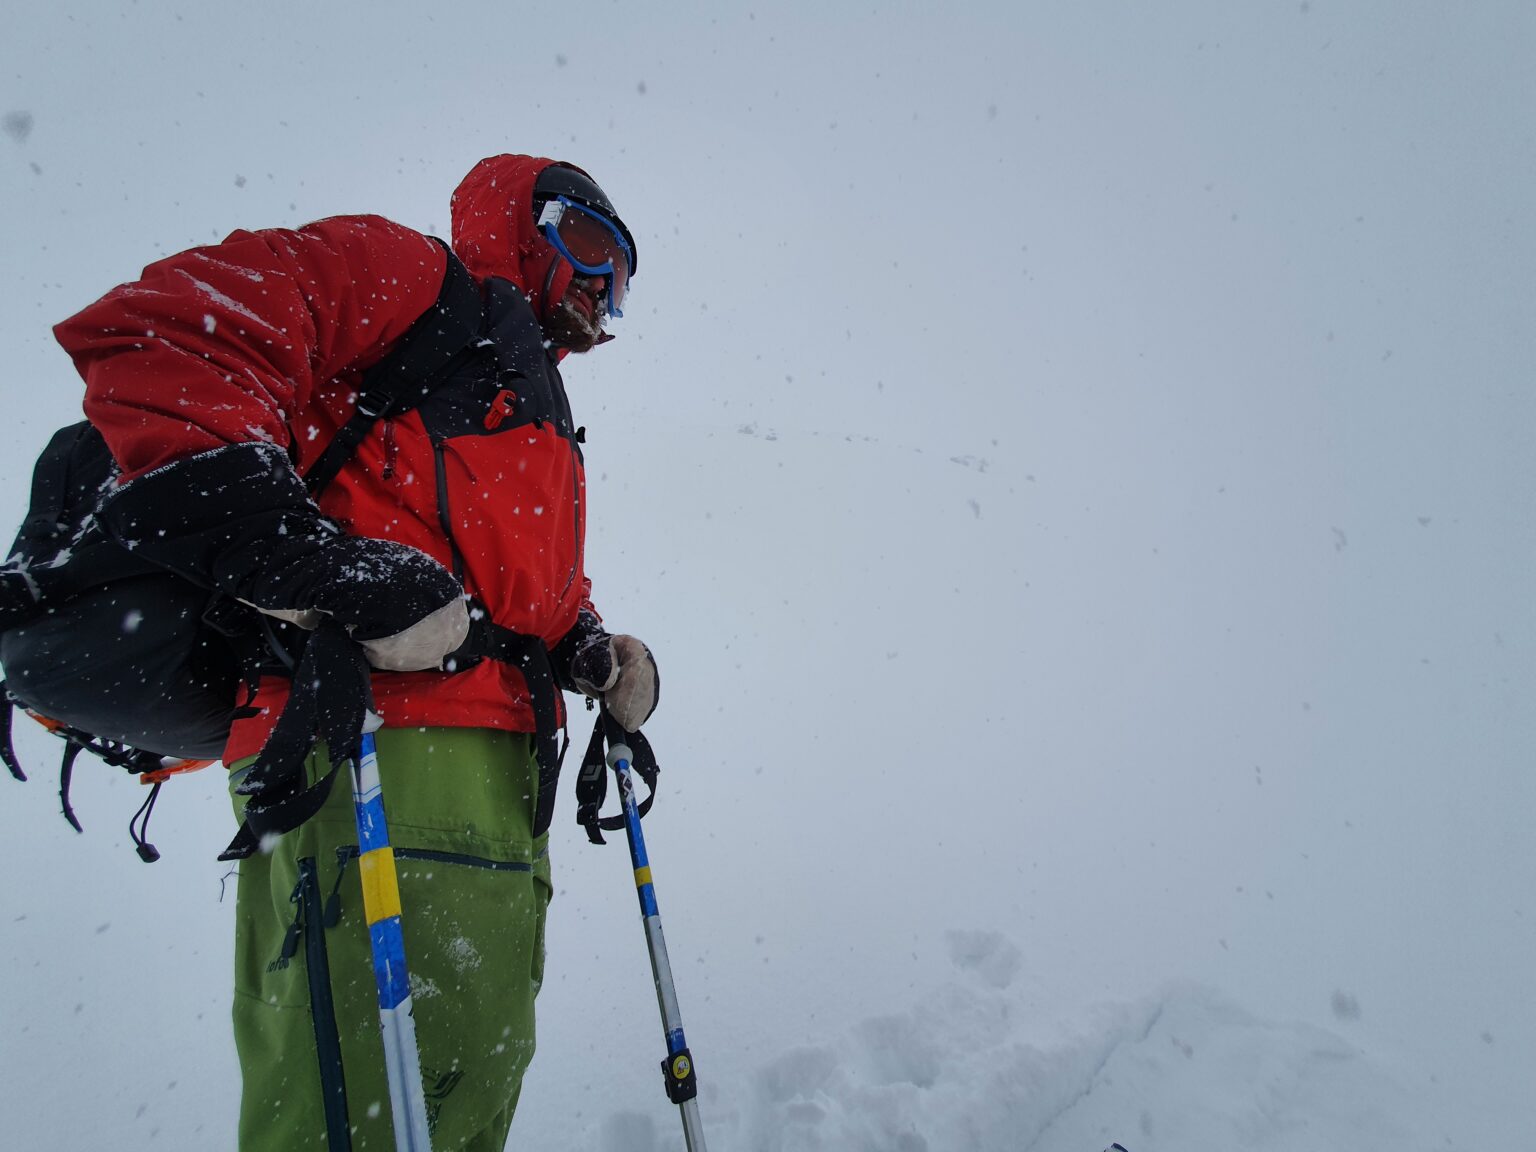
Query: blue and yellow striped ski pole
x=682, y=1085
x=381, y=907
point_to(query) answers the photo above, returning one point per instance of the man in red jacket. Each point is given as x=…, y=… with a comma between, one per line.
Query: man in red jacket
x=218, y=380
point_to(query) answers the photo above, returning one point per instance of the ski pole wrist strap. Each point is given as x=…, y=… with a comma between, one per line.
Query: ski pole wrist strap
x=331, y=696
x=592, y=783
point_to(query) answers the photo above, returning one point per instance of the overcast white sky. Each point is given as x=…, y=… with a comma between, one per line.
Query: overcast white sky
x=1072, y=463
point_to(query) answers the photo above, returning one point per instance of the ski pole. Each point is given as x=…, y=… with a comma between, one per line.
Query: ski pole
x=677, y=1068
x=381, y=908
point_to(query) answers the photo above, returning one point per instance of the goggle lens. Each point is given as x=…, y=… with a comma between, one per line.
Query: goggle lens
x=591, y=242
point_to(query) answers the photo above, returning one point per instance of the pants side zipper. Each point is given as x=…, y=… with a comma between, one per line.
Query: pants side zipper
x=322, y=1010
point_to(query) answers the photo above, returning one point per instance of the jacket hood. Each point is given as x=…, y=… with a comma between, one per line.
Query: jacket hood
x=494, y=232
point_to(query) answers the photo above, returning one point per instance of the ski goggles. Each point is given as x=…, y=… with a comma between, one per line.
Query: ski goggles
x=591, y=242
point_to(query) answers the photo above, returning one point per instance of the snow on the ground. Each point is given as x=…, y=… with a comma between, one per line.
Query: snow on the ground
x=975, y=1066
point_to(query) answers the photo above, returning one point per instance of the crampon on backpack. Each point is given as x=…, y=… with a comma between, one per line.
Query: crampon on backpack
x=136, y=664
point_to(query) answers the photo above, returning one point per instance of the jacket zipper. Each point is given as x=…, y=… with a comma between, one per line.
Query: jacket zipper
x=391, y=452
x=309, y=922
x=444, y=517
x=576, y=521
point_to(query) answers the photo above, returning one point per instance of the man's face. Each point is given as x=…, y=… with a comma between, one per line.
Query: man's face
x=577, y=323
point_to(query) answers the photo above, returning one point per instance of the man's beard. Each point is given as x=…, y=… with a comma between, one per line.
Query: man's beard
x=571, y=328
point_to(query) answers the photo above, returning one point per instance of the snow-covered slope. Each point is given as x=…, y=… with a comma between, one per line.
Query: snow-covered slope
x=975, y=1066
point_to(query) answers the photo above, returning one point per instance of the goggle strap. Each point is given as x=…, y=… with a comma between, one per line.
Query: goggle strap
x=550, y=217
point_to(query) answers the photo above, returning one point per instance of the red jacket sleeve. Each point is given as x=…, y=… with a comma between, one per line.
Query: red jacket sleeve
x=225, y=344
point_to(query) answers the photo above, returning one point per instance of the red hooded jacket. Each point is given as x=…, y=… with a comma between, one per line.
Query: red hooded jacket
x=265, y=336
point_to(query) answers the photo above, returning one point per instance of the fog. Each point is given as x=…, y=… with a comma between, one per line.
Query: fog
x=1073, y=467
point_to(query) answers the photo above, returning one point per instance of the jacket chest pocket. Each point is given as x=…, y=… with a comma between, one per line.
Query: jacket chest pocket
x=511, y=507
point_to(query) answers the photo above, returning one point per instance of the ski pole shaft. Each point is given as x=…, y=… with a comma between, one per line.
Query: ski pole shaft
x=381, y=907
x=682, y=1086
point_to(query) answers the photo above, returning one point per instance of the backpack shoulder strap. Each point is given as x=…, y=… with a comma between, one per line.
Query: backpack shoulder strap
x=415, y=366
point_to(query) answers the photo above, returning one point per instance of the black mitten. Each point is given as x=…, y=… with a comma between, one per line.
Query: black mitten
x=620, y=671
x=239, y=519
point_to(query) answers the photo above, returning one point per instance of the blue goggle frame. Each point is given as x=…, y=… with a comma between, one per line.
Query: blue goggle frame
x=549, y=225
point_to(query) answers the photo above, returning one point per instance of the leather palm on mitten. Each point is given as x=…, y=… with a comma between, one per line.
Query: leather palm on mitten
x=618, y=669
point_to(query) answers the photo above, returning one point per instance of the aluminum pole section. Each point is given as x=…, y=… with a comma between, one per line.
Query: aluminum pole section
x=682, y=1087
x=381, y=907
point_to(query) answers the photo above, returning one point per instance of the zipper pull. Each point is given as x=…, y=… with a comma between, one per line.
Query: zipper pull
x=390, y=451
x=291, y=937
x=332, y=914
x=503, y=406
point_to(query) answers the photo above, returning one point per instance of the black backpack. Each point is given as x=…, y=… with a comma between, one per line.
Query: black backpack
x=101, y=642
x=131, y=662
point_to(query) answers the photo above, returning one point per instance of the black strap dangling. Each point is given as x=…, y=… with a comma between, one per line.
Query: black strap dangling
x=138, y=827
x=66, y=775
x=7, y=751
x=592, y=783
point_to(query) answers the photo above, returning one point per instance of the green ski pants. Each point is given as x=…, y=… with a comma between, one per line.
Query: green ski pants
x=474, y=887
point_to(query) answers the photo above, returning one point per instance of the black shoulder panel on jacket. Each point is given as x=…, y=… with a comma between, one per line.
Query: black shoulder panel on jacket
x=514, y=382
